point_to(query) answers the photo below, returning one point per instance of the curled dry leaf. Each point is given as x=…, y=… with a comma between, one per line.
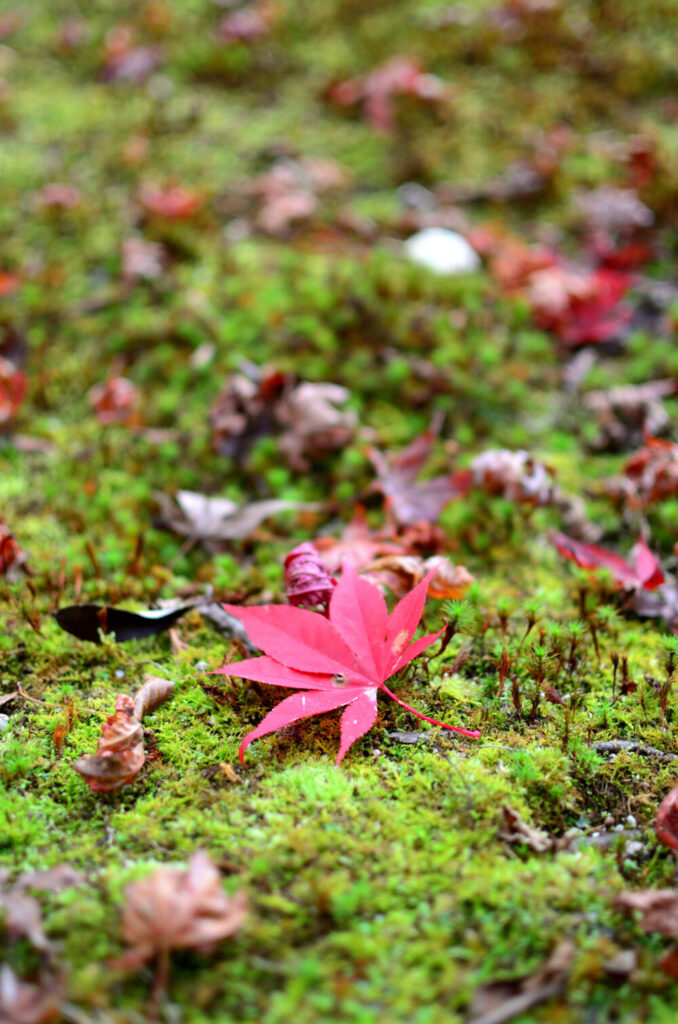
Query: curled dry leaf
x=176, y=908
x=245, y=410
x=308, y=582
x=651, y=474
x=119, y=757
x=11, y=556
x=87, y=621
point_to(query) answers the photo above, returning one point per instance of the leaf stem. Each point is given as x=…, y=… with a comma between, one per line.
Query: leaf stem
x=474, y=734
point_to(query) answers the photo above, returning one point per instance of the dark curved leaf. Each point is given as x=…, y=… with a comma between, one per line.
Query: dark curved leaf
x=85, y=621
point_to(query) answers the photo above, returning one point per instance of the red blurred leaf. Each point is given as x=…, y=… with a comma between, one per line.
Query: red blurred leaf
x=408, y=500
x=400, y=76
x=646, y=571
x=581, y=307
x=340, y=661
x=174, y=202
x=12, y=390
x=666, y=824
x=117, y=400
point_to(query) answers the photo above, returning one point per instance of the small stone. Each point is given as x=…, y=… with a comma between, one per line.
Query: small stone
x=119, y=673
x=201, y=666
x=4, y=722
x=633, y=848
x=631, y=821
x=618, y=828
x=442, y=251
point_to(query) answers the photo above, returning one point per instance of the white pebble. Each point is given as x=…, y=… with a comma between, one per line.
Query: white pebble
x=442, y=251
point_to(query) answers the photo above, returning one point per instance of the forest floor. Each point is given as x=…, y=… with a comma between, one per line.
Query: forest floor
x=199, y=215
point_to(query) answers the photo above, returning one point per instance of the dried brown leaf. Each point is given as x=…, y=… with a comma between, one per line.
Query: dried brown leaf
x=176, y=908
x=516, y=831
x=151, y=695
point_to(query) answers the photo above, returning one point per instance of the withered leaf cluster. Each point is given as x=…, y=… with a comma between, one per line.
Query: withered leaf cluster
x=119, y=757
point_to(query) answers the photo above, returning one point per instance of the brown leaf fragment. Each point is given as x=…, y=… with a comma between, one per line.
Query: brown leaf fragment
x=119, y=757
x=500, y=1002
x=176, y=908
x=151, y=695
x=22, y=919
x=516, y=831
x=55, y=879
x=23, y=1003
x=658, y=907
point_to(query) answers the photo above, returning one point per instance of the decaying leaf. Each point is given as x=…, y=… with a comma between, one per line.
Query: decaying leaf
x=175, y=908
x=666, y=824
x=308, y=582
x=117, y=400
x=644, y=571
x=173, y=202
x=314, y=423
x=502, y=1001
x=658, y=908
x=215, y=520
x=339, y=661
x=375, y=91
x=625, y=415
x=12, y=558
x=119, y=757
x=24, y=1003
x=516, y=831
x=581, y=307
x=408, y=500
x=12, y=390
x=85, y=621
x=514, y=475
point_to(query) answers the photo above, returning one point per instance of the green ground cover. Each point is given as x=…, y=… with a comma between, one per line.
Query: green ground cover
x=382, y=890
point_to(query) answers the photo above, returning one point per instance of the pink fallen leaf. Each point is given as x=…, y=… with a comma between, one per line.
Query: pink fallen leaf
x=340, y=661
x=410, y=500
x=644, y=571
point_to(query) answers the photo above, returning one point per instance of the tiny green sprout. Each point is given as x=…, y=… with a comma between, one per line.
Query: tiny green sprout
x=503, y=614
x=459, y=615
x=670, y=654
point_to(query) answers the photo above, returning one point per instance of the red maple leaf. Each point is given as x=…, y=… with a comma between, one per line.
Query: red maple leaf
x=340, y=661
x=644, y=572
